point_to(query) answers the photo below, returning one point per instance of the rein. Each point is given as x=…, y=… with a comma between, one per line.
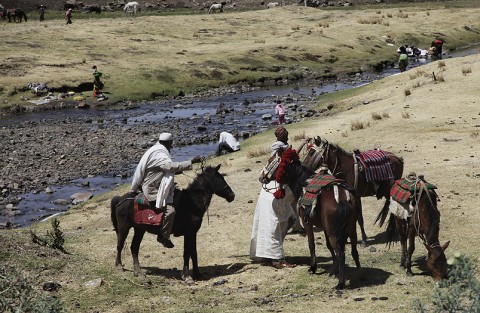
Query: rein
x=416, y=222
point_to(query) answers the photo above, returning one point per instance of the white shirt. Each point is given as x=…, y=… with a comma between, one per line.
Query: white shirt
x=155, y=175
x=230, y=140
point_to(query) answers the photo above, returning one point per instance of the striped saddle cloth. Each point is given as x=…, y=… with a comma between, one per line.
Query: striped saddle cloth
x=404, y=188
x=377, y=165
x=144, y=214
x=319, y=182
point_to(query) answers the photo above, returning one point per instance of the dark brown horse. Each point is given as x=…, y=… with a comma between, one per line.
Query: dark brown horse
x=343, y=165
x=423, y=222
x=190, y=204
x=337, y=217
x=17, y=15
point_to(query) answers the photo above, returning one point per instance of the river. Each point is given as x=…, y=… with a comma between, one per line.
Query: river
x=37, y=206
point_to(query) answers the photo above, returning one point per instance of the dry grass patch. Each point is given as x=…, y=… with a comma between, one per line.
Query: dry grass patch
x=466, y=70
x=405, y=115
x=345, y=134
x=385, y=115
x=416, y=74
x=441, y=64
x=258, y=152
x=475, y=133
x=356, y=125
x=370, y=20
x=299, y=136
x=407, y=92
x=323, y=24
x=376, y=116
x=402, y=14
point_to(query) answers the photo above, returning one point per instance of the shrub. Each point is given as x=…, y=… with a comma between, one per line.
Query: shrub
x=405, y=115
x=407, y=92
x=376, y=116
x=19, y=295
x=466, y=70
x=460, y=292
x=53, y=239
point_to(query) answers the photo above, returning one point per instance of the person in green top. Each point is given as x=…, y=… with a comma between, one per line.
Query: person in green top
x=97, y=84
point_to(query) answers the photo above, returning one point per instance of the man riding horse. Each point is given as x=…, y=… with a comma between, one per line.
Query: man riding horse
x=154, y=175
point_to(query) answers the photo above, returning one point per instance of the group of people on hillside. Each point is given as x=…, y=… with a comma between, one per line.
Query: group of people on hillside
x=405, y=51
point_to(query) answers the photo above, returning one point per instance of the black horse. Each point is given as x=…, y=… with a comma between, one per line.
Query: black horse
x=17, y=15
x=190, y=204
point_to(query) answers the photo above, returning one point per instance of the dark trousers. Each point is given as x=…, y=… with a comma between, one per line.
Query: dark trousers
x=223, y=146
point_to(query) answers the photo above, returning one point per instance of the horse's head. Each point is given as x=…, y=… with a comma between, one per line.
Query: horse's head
x=218, y=183
x=437, y=262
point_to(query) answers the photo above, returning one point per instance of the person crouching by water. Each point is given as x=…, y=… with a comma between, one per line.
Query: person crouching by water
x=403, y=59
x=273, y=216
x=154, y=176
x=227, y=142
x=97, y=83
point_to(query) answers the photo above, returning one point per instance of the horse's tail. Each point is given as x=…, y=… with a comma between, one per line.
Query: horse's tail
x=382, y=215
x=391, y=230
x=341, y=216
x=113, y=205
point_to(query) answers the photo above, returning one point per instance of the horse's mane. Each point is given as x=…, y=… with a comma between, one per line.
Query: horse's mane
x=340, y=149
x=433, y=216
x=198, y=181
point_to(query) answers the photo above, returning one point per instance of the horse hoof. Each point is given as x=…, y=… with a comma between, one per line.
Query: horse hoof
x=340, y=286
x=364, y=244
x=312, y=270
x=409, y=274
x=188, y=280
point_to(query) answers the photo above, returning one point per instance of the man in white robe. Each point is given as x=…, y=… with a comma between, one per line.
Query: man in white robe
x=154, y=176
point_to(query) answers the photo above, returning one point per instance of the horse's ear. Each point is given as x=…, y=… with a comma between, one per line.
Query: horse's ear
x=218, y=167
x=445, y=245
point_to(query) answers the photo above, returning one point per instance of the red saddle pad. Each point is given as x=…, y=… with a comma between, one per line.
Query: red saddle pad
x=144, y=214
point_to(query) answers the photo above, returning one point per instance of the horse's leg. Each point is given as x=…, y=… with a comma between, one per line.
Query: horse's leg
x=122, y=235
x=331, y=242
x=134, y=248
x=411, y=248
x=360, y=221
x=187, y=252
x=311, y=247
x=401, y=228
x=196, y=272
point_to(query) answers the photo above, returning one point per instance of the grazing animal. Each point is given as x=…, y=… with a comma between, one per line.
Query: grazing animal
x=17, y=15
x=423, y=222
x=344, y=165
x=190, y=204
x=337, y=217
x=72, y=6
x=216, y=7
x=131, y=8
x=272, y=5
x=92, y=8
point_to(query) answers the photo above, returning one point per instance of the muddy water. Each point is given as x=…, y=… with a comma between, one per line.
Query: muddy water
x=248, y=109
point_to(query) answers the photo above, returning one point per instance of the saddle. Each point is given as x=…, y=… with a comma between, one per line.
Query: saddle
x=320, y=181
x=376, y=164
x=144, y=214
x=404, y=189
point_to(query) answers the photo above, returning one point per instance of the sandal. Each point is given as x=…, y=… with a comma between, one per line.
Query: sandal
x=282, y=264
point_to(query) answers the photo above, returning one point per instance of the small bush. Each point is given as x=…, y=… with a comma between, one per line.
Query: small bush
x=376, y=116
x=416, y=85
x=460, y=292
x=405, y=115
x=295, y=27
x=441, y=64
x=390, y=15
x=385, y=115
x=54, y=239
x=358, y=125
x=323, y=24
x=371, y=20
x=258, y=152
x=402, y=15
x=18, y=294
x=300, y=136
x=407, y=92
x=466, y=70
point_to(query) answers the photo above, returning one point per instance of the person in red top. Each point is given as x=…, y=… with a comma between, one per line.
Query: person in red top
x=68, y=16
x=280, y=112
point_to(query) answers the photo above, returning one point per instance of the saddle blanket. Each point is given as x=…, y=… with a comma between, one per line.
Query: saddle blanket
x=319, y=182
x=377, y=165
x=144, y=214
x=403, y=189
x=312, y=159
